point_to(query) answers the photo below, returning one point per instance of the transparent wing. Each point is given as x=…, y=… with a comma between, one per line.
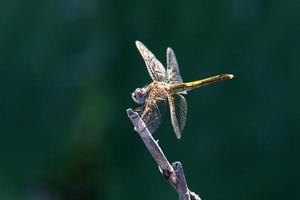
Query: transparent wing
x=178, y=111
x=153, y=111
x=181, y=110
x=173, y=73
x=155, y=68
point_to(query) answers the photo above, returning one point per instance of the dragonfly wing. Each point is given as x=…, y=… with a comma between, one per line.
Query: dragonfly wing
x=178, y=111
x=173, y=116
x=152, y=113
x=181, y=110
x=173, y=73
x=155, y=68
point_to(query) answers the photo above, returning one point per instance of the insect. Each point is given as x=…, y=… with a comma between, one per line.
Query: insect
x=167, y=86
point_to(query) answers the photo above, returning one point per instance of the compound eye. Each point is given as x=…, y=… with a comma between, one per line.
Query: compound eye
x=140, y=95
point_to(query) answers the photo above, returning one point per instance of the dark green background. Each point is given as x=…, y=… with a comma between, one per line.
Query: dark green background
x=67, y=68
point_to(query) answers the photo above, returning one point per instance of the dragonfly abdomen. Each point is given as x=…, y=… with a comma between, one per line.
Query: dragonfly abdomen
x=179, y=87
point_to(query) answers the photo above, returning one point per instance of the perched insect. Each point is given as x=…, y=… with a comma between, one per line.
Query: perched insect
x=168, y=86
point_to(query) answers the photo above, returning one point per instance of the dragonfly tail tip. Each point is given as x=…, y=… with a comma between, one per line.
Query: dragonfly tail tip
x=227, y=76
x=230, y=76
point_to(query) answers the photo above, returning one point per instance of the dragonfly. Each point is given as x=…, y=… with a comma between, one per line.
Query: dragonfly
x=167, y=87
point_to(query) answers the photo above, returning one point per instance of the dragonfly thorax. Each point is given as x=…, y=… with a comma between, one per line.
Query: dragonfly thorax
x=160, y=85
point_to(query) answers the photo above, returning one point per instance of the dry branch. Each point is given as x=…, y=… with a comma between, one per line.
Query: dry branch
x=173, y=173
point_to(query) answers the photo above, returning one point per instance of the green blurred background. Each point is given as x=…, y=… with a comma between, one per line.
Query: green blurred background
x=67, y=68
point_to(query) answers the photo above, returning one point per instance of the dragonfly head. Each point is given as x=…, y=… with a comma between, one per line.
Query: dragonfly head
x=139, y=95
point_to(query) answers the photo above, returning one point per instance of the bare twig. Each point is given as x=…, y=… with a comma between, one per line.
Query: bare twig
x=173, y=173
x=182, y=188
